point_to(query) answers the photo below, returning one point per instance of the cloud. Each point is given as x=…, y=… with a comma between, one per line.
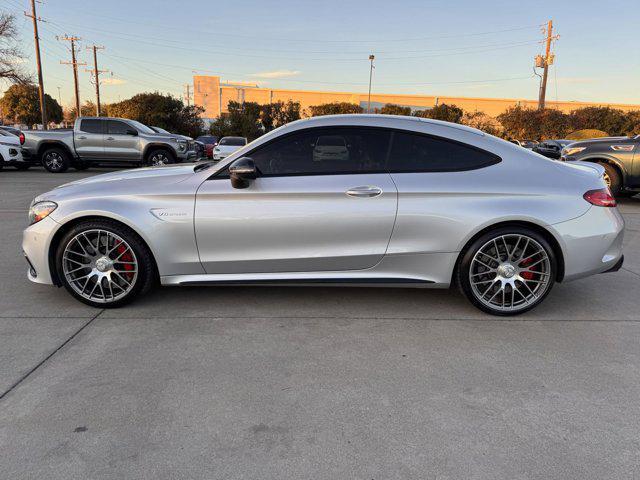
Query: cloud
x=276, y=74
x=113, y=81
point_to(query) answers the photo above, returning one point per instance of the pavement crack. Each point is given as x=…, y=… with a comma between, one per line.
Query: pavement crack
x=44, y=360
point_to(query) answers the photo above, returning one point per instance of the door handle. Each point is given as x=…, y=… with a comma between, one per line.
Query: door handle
x=82, y=137
x=109, y=138
x=364, y=191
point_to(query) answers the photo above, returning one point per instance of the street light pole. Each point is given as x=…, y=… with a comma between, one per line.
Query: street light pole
x=371, y=58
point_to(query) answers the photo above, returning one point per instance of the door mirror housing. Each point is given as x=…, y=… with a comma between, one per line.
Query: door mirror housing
x=133, y=132
x=242, y=171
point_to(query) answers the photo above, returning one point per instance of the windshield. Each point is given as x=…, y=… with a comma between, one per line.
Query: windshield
x=141, y=127
x=159, y=130
x=233, y=141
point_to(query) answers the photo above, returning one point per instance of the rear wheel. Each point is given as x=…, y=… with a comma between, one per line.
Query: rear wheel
x=104, y=264
x=612, y=178
x=507, y=271
x=55, y=160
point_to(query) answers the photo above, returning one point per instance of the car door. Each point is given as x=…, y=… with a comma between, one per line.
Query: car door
x=89, y=139
x=301, y=214
x=120, y=142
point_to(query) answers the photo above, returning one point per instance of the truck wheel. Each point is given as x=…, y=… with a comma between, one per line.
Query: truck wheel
x=55, y=160
x=612, y=178
x=159, y=157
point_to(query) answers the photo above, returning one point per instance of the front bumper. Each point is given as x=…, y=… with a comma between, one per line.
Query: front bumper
x=36, y=241
x=591, y=243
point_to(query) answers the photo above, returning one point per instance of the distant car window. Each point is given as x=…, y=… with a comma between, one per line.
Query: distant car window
x=233, y=141
x=115, y=127
x=207, y=140
x=91, y=126
x=141, y=127
x=321, y=151
x=412, y=152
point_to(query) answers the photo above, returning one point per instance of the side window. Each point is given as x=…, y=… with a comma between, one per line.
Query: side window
x=91, y=126
x=324, y=151
x=420, y=153
x=115, y=127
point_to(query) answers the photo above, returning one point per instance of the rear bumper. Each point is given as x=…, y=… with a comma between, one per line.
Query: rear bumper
x=591, y=243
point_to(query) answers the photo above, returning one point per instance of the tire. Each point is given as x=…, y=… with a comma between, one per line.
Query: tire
x=55, y=160
x=612, y=177
x=532, y=272
x=116, y=273
x=160, y=156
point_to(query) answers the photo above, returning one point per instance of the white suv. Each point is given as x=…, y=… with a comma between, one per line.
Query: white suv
x=11, y=151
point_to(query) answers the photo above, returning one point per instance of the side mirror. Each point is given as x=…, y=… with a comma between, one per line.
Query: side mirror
x=242, y=171
x=132, y=132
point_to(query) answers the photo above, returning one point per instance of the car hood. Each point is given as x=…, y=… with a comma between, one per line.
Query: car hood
x=122, y=182
x=595, y=141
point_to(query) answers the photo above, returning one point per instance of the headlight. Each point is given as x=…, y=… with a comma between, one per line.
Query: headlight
x=41, y=210
x=622, y=148
x=572, y=150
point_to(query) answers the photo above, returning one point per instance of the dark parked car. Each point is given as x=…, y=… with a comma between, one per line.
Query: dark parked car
x=551, y=148
x=620, y=157
x=209, y=142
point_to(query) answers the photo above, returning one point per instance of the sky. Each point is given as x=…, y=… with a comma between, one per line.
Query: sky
x=451, y=47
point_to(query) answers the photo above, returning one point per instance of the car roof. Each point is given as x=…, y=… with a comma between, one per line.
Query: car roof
x=389, y=121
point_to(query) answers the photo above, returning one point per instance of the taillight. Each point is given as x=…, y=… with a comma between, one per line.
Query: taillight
x=21, y=136
x=600, y=198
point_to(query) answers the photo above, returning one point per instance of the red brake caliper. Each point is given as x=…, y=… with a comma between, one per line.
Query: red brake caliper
x=126, y=258
x=528, y=275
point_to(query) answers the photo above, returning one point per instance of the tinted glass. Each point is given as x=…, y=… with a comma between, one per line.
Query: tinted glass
x=91, y=126
x=324, y=151
x=233, y=141
x=117, y=128
x=207, y=140
x=420, y=153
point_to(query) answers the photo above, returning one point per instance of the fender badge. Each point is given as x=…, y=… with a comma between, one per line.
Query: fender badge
x=169, y=214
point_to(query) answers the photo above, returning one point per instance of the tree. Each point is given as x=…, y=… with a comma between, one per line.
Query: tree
x=86, y=110
x=274, y=115
x=481, y=121
x=159, y=110
x=10, y=55
x=337, y=108
x=632, y=123
x=241, y=119
x=21, y=104
x=534, y=124
x=444, y=112
x=392, y=109
x=607, y=119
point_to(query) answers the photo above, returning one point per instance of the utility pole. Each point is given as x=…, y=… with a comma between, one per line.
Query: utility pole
x=74, y=64
x=96, y=75
x=36, y=39
x=187, y=95
x=371, y=58
x=59, y=97
x=544, y=62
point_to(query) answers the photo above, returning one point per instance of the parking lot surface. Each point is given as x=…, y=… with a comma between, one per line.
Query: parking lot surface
x=321, y=383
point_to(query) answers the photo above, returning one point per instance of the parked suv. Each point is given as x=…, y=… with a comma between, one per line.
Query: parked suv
x=620, y=157
x=105, y=140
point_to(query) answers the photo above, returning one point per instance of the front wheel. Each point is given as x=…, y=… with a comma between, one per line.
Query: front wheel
x=159, y=157
x=612, y=178
x=507, y=271
x=104, y=264
x=55, y=160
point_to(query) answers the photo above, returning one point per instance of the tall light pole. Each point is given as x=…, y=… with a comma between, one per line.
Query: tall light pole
x=371, y=58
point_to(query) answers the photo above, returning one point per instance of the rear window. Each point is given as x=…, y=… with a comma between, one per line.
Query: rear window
x=421, y=153
x=233, y=141
x=91, y=126
x=330, y=141
x=206, y=139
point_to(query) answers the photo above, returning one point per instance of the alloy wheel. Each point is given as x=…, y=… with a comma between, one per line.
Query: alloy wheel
x=607, y=179
x=159, y=159
x=53, y=160
x=510, y=272
x=100, y=266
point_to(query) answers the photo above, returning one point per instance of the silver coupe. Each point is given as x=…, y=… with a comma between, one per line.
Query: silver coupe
x=413, y=203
